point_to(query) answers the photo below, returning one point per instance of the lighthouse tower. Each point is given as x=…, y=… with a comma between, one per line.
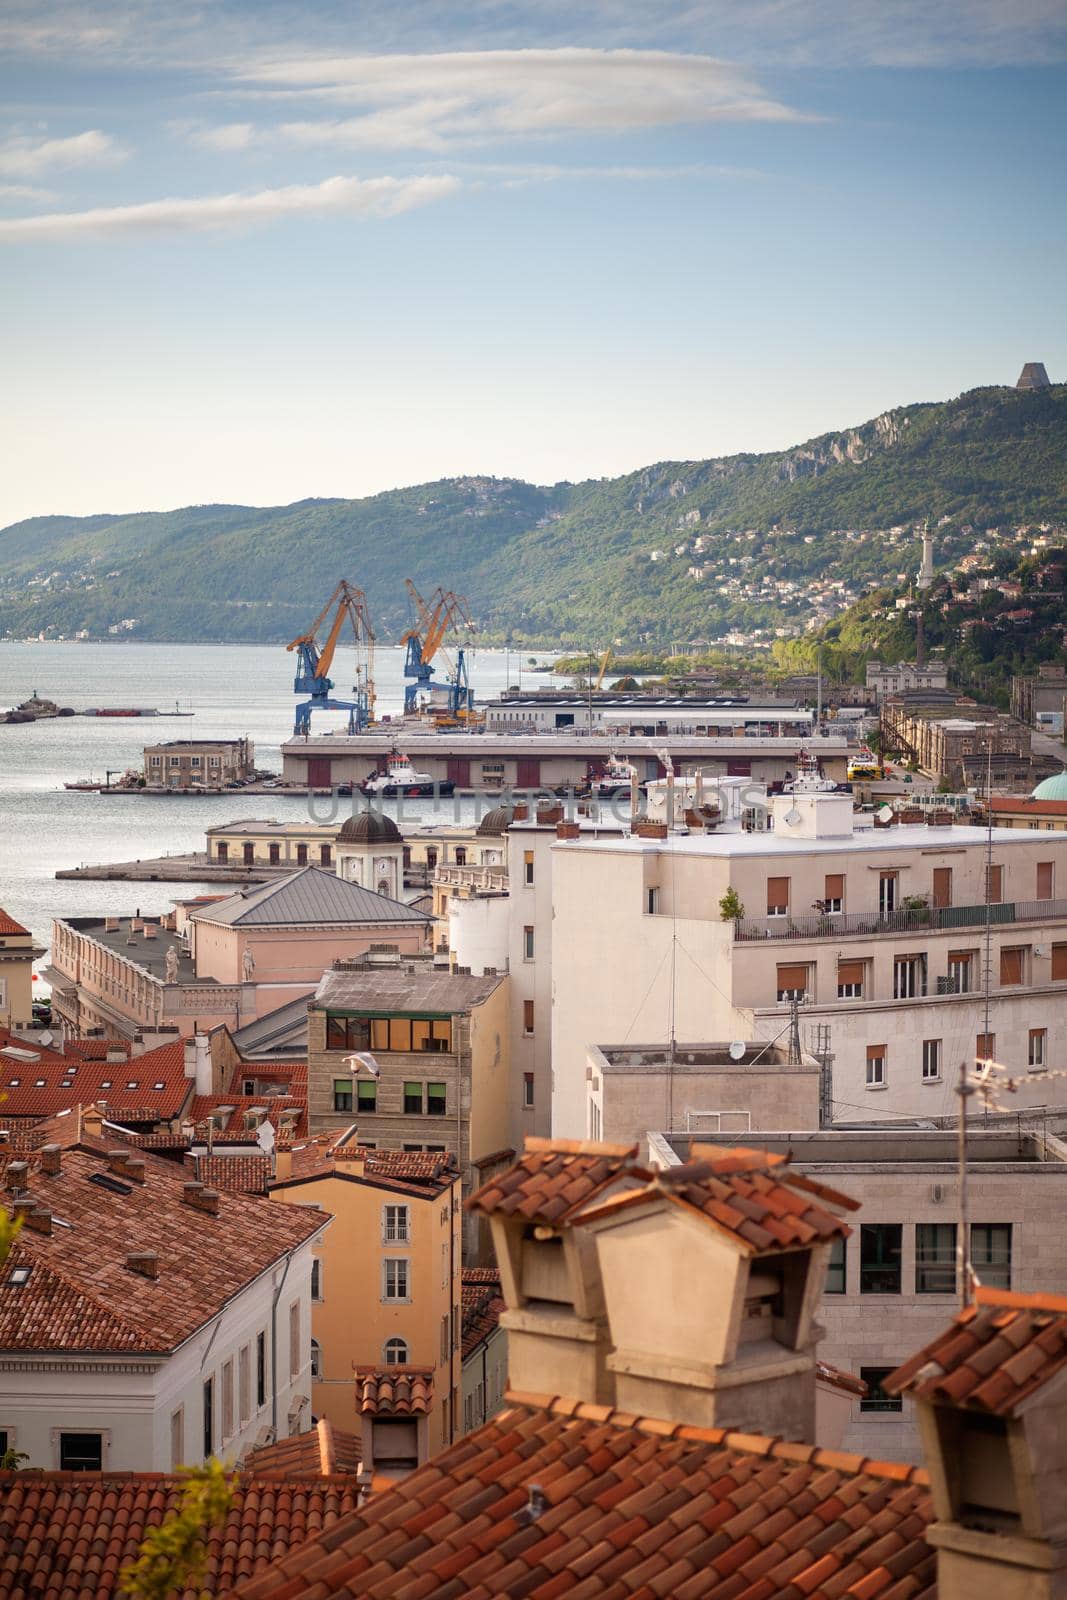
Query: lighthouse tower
x=926, y=569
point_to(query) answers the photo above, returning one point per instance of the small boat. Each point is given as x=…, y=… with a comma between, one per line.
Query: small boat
x=85, y=786
x=401, y=778
x=809, y=780
x=605, y=780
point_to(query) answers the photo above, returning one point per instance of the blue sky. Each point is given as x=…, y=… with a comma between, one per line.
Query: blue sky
x=257, y=252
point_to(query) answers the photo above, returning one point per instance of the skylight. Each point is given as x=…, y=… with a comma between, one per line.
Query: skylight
x=158, y=1086
x=132, y=1083
x=103, y=1181
x=38, y=1083
x=106, y=1084
x=18, y=1276
x=13, y=1083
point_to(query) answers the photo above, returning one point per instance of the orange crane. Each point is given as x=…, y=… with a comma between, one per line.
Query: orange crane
x=312, y=674
x=432, y=620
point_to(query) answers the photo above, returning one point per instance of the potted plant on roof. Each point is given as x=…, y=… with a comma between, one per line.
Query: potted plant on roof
x=732, y=909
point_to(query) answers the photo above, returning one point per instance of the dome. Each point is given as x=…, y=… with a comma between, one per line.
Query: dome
x=369, y=827
x=1054, y=788
x=495, y=822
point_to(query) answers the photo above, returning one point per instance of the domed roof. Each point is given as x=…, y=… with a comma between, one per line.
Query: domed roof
x=495, y=822
x=369, y=827
x=1054, y=788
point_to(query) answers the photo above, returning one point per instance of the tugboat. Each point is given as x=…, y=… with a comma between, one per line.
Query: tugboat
x=809, y=780
x=401, y=779
x=604, y=782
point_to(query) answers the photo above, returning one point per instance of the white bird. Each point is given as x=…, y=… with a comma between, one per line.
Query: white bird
x=363, y=1058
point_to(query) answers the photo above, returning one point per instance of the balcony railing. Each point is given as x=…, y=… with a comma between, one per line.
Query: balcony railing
x=925, y=919
x=472, y=877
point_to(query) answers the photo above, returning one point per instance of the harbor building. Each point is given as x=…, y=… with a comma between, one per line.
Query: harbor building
x=256, y=844
x=647, y=715
x=903, y=676
x=198, y=763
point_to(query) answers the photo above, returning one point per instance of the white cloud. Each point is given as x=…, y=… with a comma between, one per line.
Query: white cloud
x=227, y=136
x=431, y=102
x=357, y=197
x=25, y=191
x=22, y=156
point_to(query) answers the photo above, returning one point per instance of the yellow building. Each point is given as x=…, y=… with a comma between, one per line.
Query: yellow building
x=387, y=1286
x=17, y=951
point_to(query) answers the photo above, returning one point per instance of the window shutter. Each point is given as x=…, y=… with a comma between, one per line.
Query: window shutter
x=1044, y=880
x=777, y=892
x=1059, y=961
x=850, y=971
x=835, y=886
x=960, y=955
x=995, y=880
x=1011, y=966
x=942, y=886
x=985, y=1046
x=876, y=1052
x=792, y=977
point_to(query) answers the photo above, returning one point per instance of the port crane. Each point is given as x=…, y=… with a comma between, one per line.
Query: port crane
x=314, y=661
x=432, y=619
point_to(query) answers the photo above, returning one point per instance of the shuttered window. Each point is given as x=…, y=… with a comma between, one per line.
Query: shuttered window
x=995, y=884
x=1045, y=877
x=1011, y=966
x=834, y=891
x=942, y=886
x=985, y=1046
x=850, y=977
x=876, y=1074
x=777, y=897
x=1059, y=962
x=792, y=980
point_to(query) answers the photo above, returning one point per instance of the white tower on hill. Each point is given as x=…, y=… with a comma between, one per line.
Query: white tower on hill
x=926, y=569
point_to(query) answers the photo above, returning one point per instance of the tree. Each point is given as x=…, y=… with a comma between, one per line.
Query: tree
x=173, y=1555
x=731, y=907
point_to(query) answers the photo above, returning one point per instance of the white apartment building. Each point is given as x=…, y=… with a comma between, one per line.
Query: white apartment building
x=898, y=676
x=881, y=932
x=147, y=1322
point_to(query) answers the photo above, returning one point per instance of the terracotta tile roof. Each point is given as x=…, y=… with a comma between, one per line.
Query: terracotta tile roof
x=394, y=1391
x=148, y=1088
x=993, y=1355
x=294, y=1074
x=9, y=925
x=235, y=1107
x=481, y=1305
x=428, y=1166
x=12, y=1041
x=551, y=1178
x=236, y=1174
x=81, y=1293
x=413, y=1170
x=836, y=1378
x=95, y=1049
x=325, y=1449
x=633, y=1508
x=67, y=1535
x=747, y=1194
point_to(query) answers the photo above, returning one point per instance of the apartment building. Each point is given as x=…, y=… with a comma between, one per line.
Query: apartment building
x=147, y=1321
x=891, y=1284
x=1045, y=809
x=386, y=1294
x=1039, y=700
x=894, y=677
x=198, y=763
x=17, y=954
x=881, y=933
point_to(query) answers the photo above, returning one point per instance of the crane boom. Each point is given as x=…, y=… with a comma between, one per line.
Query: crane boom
x=433, y=618
x=312, y=675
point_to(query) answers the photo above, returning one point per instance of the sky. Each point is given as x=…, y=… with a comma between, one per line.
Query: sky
x=256, y=251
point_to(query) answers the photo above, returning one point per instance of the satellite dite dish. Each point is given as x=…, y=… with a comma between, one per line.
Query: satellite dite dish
x=792, y=817
x=46, y=1037
x=737, y=1050
x=884, y=813
x=265, y=1136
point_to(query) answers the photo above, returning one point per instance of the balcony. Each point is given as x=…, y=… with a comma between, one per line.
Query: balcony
x=926, y=919
x=493, y=880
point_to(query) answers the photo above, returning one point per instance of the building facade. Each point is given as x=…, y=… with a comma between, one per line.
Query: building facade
x=198, y=763
x=893, y=678
x=17, y=952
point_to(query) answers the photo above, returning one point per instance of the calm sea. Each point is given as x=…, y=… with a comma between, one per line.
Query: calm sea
x=231, y=689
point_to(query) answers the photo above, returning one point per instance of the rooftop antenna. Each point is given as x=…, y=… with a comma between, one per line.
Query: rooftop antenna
x=963, y=1228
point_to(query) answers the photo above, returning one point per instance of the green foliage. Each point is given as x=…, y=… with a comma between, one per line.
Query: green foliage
x=567, y=565
x=12, y=1459
x=731, y=906
x=173, y=1555
x=10, y=1227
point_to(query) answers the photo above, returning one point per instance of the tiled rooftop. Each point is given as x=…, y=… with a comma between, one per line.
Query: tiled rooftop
x=147, y=1088
x=231, y=1110
x=482, y=1303
x=415, y=1171
x=81, y=1293
x=243, y=1174
x=746, y=1193
x=996, y=1353
x=325, y=1449
x=8, y=925
x=394, y=1391
x=67, y=1535
x=632, y=1508
x=551, y=1178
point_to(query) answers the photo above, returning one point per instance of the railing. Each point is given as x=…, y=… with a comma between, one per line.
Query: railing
x=472, y=877
x=924, y=919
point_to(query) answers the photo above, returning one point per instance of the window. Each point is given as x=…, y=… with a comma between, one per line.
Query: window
x=1059, y=963
x=528, y=1017
x=396, y=1224
x=209, y=1418
x=301, y=855
x=792, y=982
x=316, y=1278
x=652, y=901
x=436, y=1100
x=931, y=1060
x=316, y=1359
x=395, y=1278
x=227, y=1400
x=942, y=886
x=294, y=1338
x=935, y=1258
x=1013, y=965
x=528, y=867
x=960, y=971
x=366, y=1095
x=274, y=853
x=909, y=977
x=325, y=855
x=342, y=1094
x=527, y=944
x=82, y=1452
x=261, y=1369
x=835, y=1270
x=880, y=1252
x=991, y=1253
x=395, y=1353
x=595, y=1120
x=833, y=899
x=222, y=850
x=1035, y=1053
x=1046, y=877
x=777, y=897
x=177, y=1439
x=248, y=853
x=851, y=980
x=876, y=1398
x=994, y=884
x=528, y=1090
x=445, y=1258
x=413, y=1099
x=347, y=1033
x=444, y=1338
x=887, y=893
x=985, y=1047
x=244, y=1383
x=461, y=855
x=876, y=1066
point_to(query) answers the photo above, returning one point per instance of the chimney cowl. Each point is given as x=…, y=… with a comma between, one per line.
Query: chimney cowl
x=51, y=1159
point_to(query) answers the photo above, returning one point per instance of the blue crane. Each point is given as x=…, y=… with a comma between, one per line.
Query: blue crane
x=312, y=673
x=432, y=619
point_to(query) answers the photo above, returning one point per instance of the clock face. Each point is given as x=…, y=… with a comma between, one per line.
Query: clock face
x=382, y=866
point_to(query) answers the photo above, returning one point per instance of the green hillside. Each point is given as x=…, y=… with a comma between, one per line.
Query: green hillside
x=570, y=564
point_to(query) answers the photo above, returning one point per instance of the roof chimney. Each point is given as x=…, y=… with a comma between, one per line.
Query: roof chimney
x=189, y=1057
x=201, y=1199
x=34, y=1216
x=15, y=1175
x=116, y=1162
x=134, y=1169
x=144, y=1262
x=51, y=1159
x=114, y=1056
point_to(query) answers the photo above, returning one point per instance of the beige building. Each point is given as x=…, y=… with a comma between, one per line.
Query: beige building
x=386, y=1294
x=262, y=842
x=886, y=678
x=426, y=847
x=892, y=1284
x=879, y=932
x=434, y=1074
x=17, y=953
x=956, y=746
x=198, y=763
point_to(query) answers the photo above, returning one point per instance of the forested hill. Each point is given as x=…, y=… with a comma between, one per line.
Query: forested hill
x=677, y=551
